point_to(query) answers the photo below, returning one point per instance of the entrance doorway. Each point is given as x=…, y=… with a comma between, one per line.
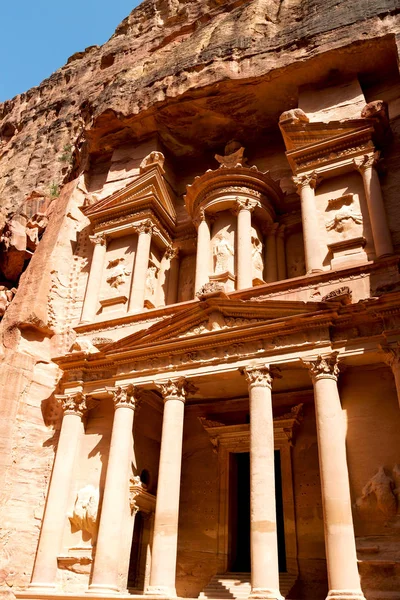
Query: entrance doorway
x=239, y=512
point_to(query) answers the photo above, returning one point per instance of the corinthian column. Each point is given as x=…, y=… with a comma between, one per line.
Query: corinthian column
x=95, y=276
x=74, y=408
x=263, y=531
x=306, y=185
x=165, y=538
x=203, y=254
x=115, y=506
x=392, y=358
x=271, y=267
x=281, y=252
x=340, y=545
x=173, y=275
x=244, y=275
x=376, y=207
x=138, y=289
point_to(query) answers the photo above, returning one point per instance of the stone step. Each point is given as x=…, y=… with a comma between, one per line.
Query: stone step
x=236, y=586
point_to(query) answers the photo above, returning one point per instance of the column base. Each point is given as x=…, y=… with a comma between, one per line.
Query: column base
x=160, y=590
x=98, y=588
x=265, y=594
x=38, y=587
x=345, y=595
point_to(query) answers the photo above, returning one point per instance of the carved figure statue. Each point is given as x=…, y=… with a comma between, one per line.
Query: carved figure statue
x=84, y=515
x=256, y=253
x=222, y=252
x=118, y=274
x=151, y=282
x=379, y=489
x=346, y=214
x=152, y=159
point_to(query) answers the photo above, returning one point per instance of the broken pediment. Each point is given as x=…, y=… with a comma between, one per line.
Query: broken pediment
x=309, y=145
x=218, y=316
x=150, y=189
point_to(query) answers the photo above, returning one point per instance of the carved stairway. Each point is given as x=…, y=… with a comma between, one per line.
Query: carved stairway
x=236, y=586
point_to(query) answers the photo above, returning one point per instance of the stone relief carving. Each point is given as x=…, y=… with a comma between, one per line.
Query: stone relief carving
x=84, y=515
x=82, y=344
x=118, y=274
x=344, y=220
x=209, y=289
x=151, y=282
x=381, y=494
x=256, y=252
x=222, y=252
x=233, y=157
x=342, y=293
x=152, y=159
x=293, y=117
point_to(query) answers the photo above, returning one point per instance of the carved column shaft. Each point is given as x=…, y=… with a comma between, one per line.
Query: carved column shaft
x=281, y=252
x=115, y=506
x=340, y=546
x=95, y=277
x=306, y=185
x=376, y=207
x=165, y=538
x=244, y=275
x=203, y=254
x=263, y=530
x=173, y=278
x=271, y=267
x=138, y=289
x=50, y=541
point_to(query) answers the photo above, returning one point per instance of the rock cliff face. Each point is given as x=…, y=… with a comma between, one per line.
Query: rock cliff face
x=169, y=49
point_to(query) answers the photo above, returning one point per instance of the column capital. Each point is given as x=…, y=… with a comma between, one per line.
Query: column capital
x=368, y=161
x=245, y=204
x=323, y=367
x=171, y=252
x=261, y=376
x=98, y=238
x=391, y=354
x=176, y=389
x=125, y=397
x=200, y=217
x=75, y=403
x=280, y=232
x=308, y=180
x=145, y=227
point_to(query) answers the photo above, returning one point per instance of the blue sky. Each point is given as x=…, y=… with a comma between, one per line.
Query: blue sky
x=37, y=36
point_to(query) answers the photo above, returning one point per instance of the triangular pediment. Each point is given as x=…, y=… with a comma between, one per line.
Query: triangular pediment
x=148, y=187
x=215, y=317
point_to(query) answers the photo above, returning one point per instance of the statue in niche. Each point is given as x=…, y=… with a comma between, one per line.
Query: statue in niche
x=118, y=274
x=84, y=515
x=151, y=281
x=222, y=253
x=256, y=252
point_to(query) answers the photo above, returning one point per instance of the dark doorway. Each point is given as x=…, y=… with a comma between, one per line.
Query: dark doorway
x=134, y=571
x=239, y=513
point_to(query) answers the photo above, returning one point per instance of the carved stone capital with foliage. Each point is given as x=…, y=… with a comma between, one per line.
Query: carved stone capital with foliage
x=176, y=389
x=368, y=161
x=324, y=367
x=262, y=376
x=75, y=403
x=146, y=227
x=171, y=252
x=98, y=239
x=125, y=397
x=308, y=180
x=245, y=204
x=391, y=355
